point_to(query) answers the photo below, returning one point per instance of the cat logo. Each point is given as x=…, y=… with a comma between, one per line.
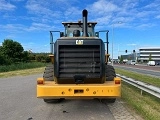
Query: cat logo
x=79, y=42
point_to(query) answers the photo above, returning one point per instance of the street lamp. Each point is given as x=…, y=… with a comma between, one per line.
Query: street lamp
x=112, y=42
x=113, y=37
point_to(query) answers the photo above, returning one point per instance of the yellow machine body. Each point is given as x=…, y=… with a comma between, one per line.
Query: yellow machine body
x=79, y=68
x=51, y=90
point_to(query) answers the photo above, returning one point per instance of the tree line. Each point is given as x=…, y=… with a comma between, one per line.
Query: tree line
x=12, y=52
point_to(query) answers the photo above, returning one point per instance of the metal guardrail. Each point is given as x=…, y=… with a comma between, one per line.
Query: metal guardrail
x=153, y=90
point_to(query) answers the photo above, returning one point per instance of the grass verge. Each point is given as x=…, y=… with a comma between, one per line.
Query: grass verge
x=141, y=77
x=22, y=72
x=21, y=66
x=145, y=105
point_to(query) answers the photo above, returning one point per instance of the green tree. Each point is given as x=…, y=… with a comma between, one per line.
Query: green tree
x=32, y=57
x=150, y=57
x=121, y=59
x=25, y=56
x=2, y=59
x=47, y=58
x=1, y=50
x=12, y=50
x=39, y=58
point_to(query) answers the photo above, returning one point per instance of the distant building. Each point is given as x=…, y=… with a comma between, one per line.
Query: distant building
x=144, y=54
x=149, y=52
x=132, y=56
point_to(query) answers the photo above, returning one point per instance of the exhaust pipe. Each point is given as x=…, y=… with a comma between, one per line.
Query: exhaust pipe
x=85, y=31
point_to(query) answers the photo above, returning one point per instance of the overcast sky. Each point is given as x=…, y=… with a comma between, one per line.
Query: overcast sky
x=131, y=23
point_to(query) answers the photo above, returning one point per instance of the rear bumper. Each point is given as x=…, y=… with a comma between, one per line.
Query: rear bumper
x=52, y=90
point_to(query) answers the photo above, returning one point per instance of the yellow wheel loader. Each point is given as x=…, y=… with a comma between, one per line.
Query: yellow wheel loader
x=79, y=68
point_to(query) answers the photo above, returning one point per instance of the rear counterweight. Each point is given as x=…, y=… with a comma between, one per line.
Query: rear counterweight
x=79, y=62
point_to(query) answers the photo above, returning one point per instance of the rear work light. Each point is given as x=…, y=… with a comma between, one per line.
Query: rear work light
x=40, y=81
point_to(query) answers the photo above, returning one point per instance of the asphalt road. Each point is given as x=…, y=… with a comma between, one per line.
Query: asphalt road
x=149, y=70
x=18, y=102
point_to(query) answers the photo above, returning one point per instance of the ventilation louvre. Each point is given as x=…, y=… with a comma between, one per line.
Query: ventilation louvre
x=79, y=60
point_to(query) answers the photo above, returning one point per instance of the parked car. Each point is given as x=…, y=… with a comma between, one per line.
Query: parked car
x=151, y=63
x=157, y=63
x=131, y=62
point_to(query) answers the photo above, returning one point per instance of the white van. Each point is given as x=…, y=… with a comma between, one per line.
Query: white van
x=151, y=63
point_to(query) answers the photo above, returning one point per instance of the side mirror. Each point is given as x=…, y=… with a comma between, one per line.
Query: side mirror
x=61, y=34
x=97, y=34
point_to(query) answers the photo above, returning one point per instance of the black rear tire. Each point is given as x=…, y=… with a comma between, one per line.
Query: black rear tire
x=110, y=73
x=49, y=73
x=108, y=100
x=111, y=100
x=53, y=100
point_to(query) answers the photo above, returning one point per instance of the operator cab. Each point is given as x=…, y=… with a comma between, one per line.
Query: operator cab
x=75, y=29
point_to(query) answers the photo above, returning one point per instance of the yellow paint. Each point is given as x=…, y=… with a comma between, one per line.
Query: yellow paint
x=107, y=56
x=52, y=90
x=52, y=58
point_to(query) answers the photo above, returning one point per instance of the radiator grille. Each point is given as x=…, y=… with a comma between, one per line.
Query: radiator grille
x=79, y=60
